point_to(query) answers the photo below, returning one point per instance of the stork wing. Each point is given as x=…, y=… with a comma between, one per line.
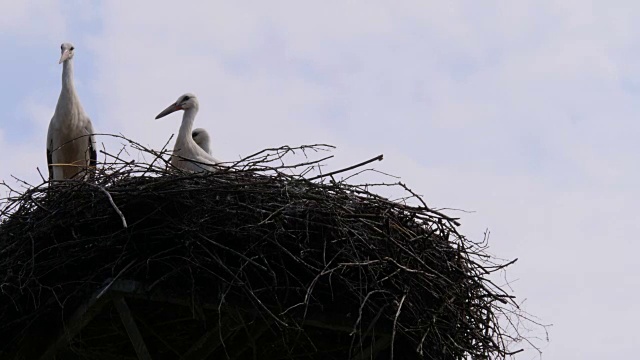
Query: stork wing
x=49, y=150
x=93, y=154
x=49, y=164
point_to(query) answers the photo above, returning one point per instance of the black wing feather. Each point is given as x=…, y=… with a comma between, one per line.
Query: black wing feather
x=49, y=161
x=93, y=154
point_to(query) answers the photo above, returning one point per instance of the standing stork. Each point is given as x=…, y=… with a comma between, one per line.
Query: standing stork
x=71, y=146
x=187, y=155
x=201, y=137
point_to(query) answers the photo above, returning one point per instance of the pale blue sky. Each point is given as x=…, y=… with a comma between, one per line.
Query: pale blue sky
x=524, y=112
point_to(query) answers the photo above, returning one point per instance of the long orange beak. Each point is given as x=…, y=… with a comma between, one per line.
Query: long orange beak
x=169, y=110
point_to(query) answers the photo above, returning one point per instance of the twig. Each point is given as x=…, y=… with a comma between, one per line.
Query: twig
x=106, y=288
x=395, y=324
x=377, y=158
x=113, y=204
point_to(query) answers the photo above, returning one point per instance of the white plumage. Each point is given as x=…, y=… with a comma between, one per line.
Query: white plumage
x=186, y=148
x=201, y=137
x=71, y=150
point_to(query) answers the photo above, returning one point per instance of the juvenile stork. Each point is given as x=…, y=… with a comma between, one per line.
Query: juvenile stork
x=187, y=155
x=71, y=146
x=201, y=137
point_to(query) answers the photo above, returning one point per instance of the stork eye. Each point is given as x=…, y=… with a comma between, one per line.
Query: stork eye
x=186, y=98
x=72, y=48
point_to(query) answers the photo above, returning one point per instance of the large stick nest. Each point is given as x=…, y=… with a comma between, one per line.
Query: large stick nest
x=263, y=236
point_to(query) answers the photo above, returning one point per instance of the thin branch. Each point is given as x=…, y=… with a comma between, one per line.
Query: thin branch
x=377, y=158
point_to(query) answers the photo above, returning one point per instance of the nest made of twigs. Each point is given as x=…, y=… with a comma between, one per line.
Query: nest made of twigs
x=261, y=234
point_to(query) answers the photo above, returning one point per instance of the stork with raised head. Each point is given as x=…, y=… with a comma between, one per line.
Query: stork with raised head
x=71, y=146
x=201, y=137
x=187, y=155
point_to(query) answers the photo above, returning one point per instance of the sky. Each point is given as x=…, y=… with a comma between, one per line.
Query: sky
x=524, y=114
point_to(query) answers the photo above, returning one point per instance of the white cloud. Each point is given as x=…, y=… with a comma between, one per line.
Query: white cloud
x=25, y=23
x=20, y=160
x=30, y=19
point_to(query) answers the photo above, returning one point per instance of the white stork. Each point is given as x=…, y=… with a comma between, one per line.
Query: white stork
x=201, y=137
x=71, y=146
x=186, y=148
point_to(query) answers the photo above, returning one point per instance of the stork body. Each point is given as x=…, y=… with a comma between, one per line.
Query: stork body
x=201, y=137
x=187, y=155
x=71, y=149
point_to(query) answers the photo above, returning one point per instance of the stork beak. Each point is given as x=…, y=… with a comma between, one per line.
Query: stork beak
x=169, y=110
x=64, y=56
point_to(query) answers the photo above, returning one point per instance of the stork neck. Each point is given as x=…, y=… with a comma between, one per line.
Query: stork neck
x=184, y=134
x=67, y=75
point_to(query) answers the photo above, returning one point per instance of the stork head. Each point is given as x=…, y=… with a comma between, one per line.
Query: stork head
x=201, y=137
x=184, y=102
x=66, y=50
